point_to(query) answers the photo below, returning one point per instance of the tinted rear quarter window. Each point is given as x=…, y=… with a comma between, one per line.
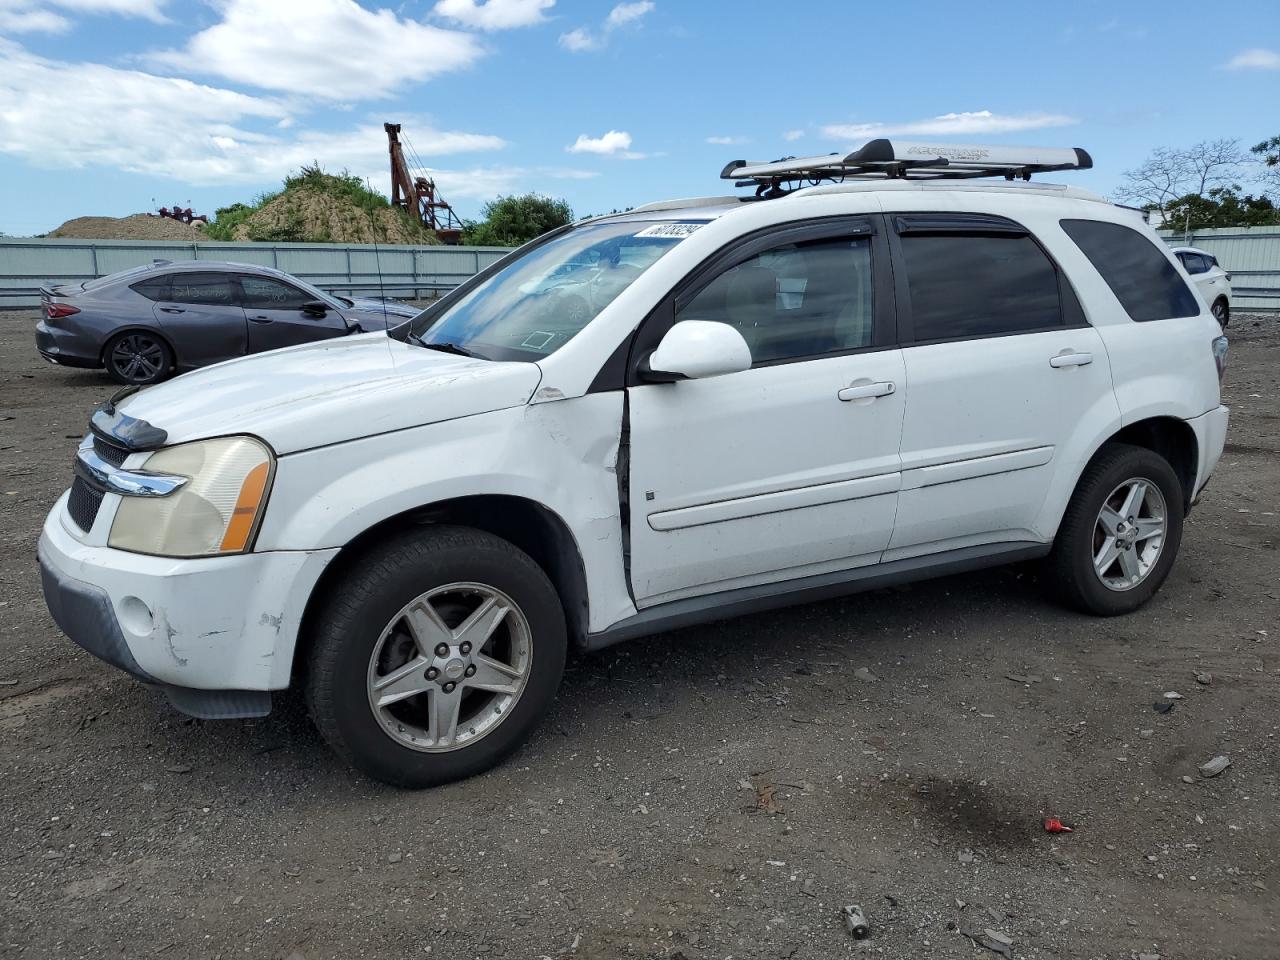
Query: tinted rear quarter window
x=1136, y=270
x=155, y=288
x=974, y=285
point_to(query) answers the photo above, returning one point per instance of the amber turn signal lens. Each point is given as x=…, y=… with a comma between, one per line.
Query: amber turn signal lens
x=246, y=510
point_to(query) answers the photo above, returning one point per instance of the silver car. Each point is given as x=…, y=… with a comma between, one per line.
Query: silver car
x=145, y=324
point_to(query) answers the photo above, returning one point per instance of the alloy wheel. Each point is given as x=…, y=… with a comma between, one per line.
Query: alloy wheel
x=449, y=667
x=138, y=358
x=1129, y=534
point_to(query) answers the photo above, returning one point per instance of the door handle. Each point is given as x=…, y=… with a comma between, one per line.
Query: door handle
x=172, y=310
x=260, y=319
x=867, y=391
x=1071, y=360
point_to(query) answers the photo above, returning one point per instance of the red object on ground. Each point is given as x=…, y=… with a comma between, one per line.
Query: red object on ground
x=1054, y=825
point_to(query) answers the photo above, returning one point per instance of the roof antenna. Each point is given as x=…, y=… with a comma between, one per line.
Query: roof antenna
x=377, y=260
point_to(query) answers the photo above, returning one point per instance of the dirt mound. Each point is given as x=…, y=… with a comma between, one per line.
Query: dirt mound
x=307, y=213
x=140, y=226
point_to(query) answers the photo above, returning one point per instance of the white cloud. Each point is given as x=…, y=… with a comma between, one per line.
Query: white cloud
x=580, y=40
x=495, y=14
x=1255, y=59
x=29, y=20
x=329, y=49
x=615, y=143
x=40, y=16
x=791, y=136
x=968, y=123
x=174, y=129
x=727, y=141
x=583, y=39
x=625, y=13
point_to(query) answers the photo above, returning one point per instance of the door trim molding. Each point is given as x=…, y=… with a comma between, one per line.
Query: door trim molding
x=778, y=501
x=974, y=467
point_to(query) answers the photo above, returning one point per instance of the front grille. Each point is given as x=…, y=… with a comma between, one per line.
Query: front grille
x=83, y=504
x=109, y=452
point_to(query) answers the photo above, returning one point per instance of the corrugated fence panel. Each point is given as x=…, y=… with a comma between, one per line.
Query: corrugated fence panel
x=1250, y=254
x=396, y=271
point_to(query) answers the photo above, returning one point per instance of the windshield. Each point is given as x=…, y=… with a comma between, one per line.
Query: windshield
x=535, y=305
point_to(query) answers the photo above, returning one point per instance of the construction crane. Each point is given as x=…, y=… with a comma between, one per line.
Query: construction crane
x=418, y=195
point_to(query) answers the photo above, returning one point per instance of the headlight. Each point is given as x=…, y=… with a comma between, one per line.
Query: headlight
x=217, y=511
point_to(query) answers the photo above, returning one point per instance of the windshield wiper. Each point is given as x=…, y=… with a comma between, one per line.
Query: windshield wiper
x=443, y=347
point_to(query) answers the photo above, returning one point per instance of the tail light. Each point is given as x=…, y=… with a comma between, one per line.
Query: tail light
x=55, y=310
x=1220, y=355
x=1227, y=274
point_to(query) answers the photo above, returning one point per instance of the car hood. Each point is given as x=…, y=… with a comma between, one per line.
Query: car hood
x=328, y=392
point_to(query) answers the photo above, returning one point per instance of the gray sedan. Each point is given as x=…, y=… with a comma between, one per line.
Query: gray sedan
x=146, y=324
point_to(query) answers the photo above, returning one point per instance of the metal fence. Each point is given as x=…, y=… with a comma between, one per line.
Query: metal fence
x=1250, y=254
x=410, y=273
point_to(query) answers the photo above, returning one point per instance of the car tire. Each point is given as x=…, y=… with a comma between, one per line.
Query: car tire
x=138, y=358
x=1116, y=544
x=1221, y=310
x=384, y=619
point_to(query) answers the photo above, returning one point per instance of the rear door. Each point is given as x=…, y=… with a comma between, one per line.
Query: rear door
x=787, y=469
x=1002, y=372
x=202, y=317
x=276, y=318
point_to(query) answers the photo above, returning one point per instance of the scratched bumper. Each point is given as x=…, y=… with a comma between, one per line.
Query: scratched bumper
x=211, y=624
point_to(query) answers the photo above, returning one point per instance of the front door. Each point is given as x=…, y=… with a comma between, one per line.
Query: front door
x=1005, y=376
x=202, y=318
x=787, y=469
x=276, y=318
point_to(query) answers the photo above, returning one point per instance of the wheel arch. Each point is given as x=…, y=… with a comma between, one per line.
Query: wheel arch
x=137, y=328
x=530, y=526
x=1170, y=437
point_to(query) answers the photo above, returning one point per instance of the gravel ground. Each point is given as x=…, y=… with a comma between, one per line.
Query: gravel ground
x=717, y=792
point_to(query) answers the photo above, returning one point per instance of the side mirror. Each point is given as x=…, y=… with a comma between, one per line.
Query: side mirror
x=693, y=349
x=315, y=308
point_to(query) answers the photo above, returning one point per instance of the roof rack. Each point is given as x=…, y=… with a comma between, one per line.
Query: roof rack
x=907, y=160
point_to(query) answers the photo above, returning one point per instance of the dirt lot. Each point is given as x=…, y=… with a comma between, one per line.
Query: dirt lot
x=712, y=793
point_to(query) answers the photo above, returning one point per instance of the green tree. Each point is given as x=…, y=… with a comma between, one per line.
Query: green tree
x=1220, y=207
x=511, y=221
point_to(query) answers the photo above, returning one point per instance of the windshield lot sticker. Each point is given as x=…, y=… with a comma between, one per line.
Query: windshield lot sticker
x=673, y=231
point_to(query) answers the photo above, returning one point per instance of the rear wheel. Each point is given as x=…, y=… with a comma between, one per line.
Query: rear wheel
x=137, y=357
x=1121, y=531
x=1221, y=312
x=436, y=657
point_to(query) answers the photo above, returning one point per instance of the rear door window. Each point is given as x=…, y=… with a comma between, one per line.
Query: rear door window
x=1194, y=263
x=209, y=289
x=968, y=284
x=1136, y=270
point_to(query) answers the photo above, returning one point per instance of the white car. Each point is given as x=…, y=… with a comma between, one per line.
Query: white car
x=787, y=397
x=1210, y=279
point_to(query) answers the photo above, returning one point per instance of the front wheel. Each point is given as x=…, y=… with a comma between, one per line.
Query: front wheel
x=1120, y=533
x=435, y=657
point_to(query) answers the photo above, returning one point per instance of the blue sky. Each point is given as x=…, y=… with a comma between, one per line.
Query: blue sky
x=111, y=107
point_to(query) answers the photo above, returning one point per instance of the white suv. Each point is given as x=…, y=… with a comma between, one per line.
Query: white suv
x=1213, y=283
x=769, y=400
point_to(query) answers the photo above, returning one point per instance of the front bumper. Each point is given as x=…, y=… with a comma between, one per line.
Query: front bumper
x=212, y=631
